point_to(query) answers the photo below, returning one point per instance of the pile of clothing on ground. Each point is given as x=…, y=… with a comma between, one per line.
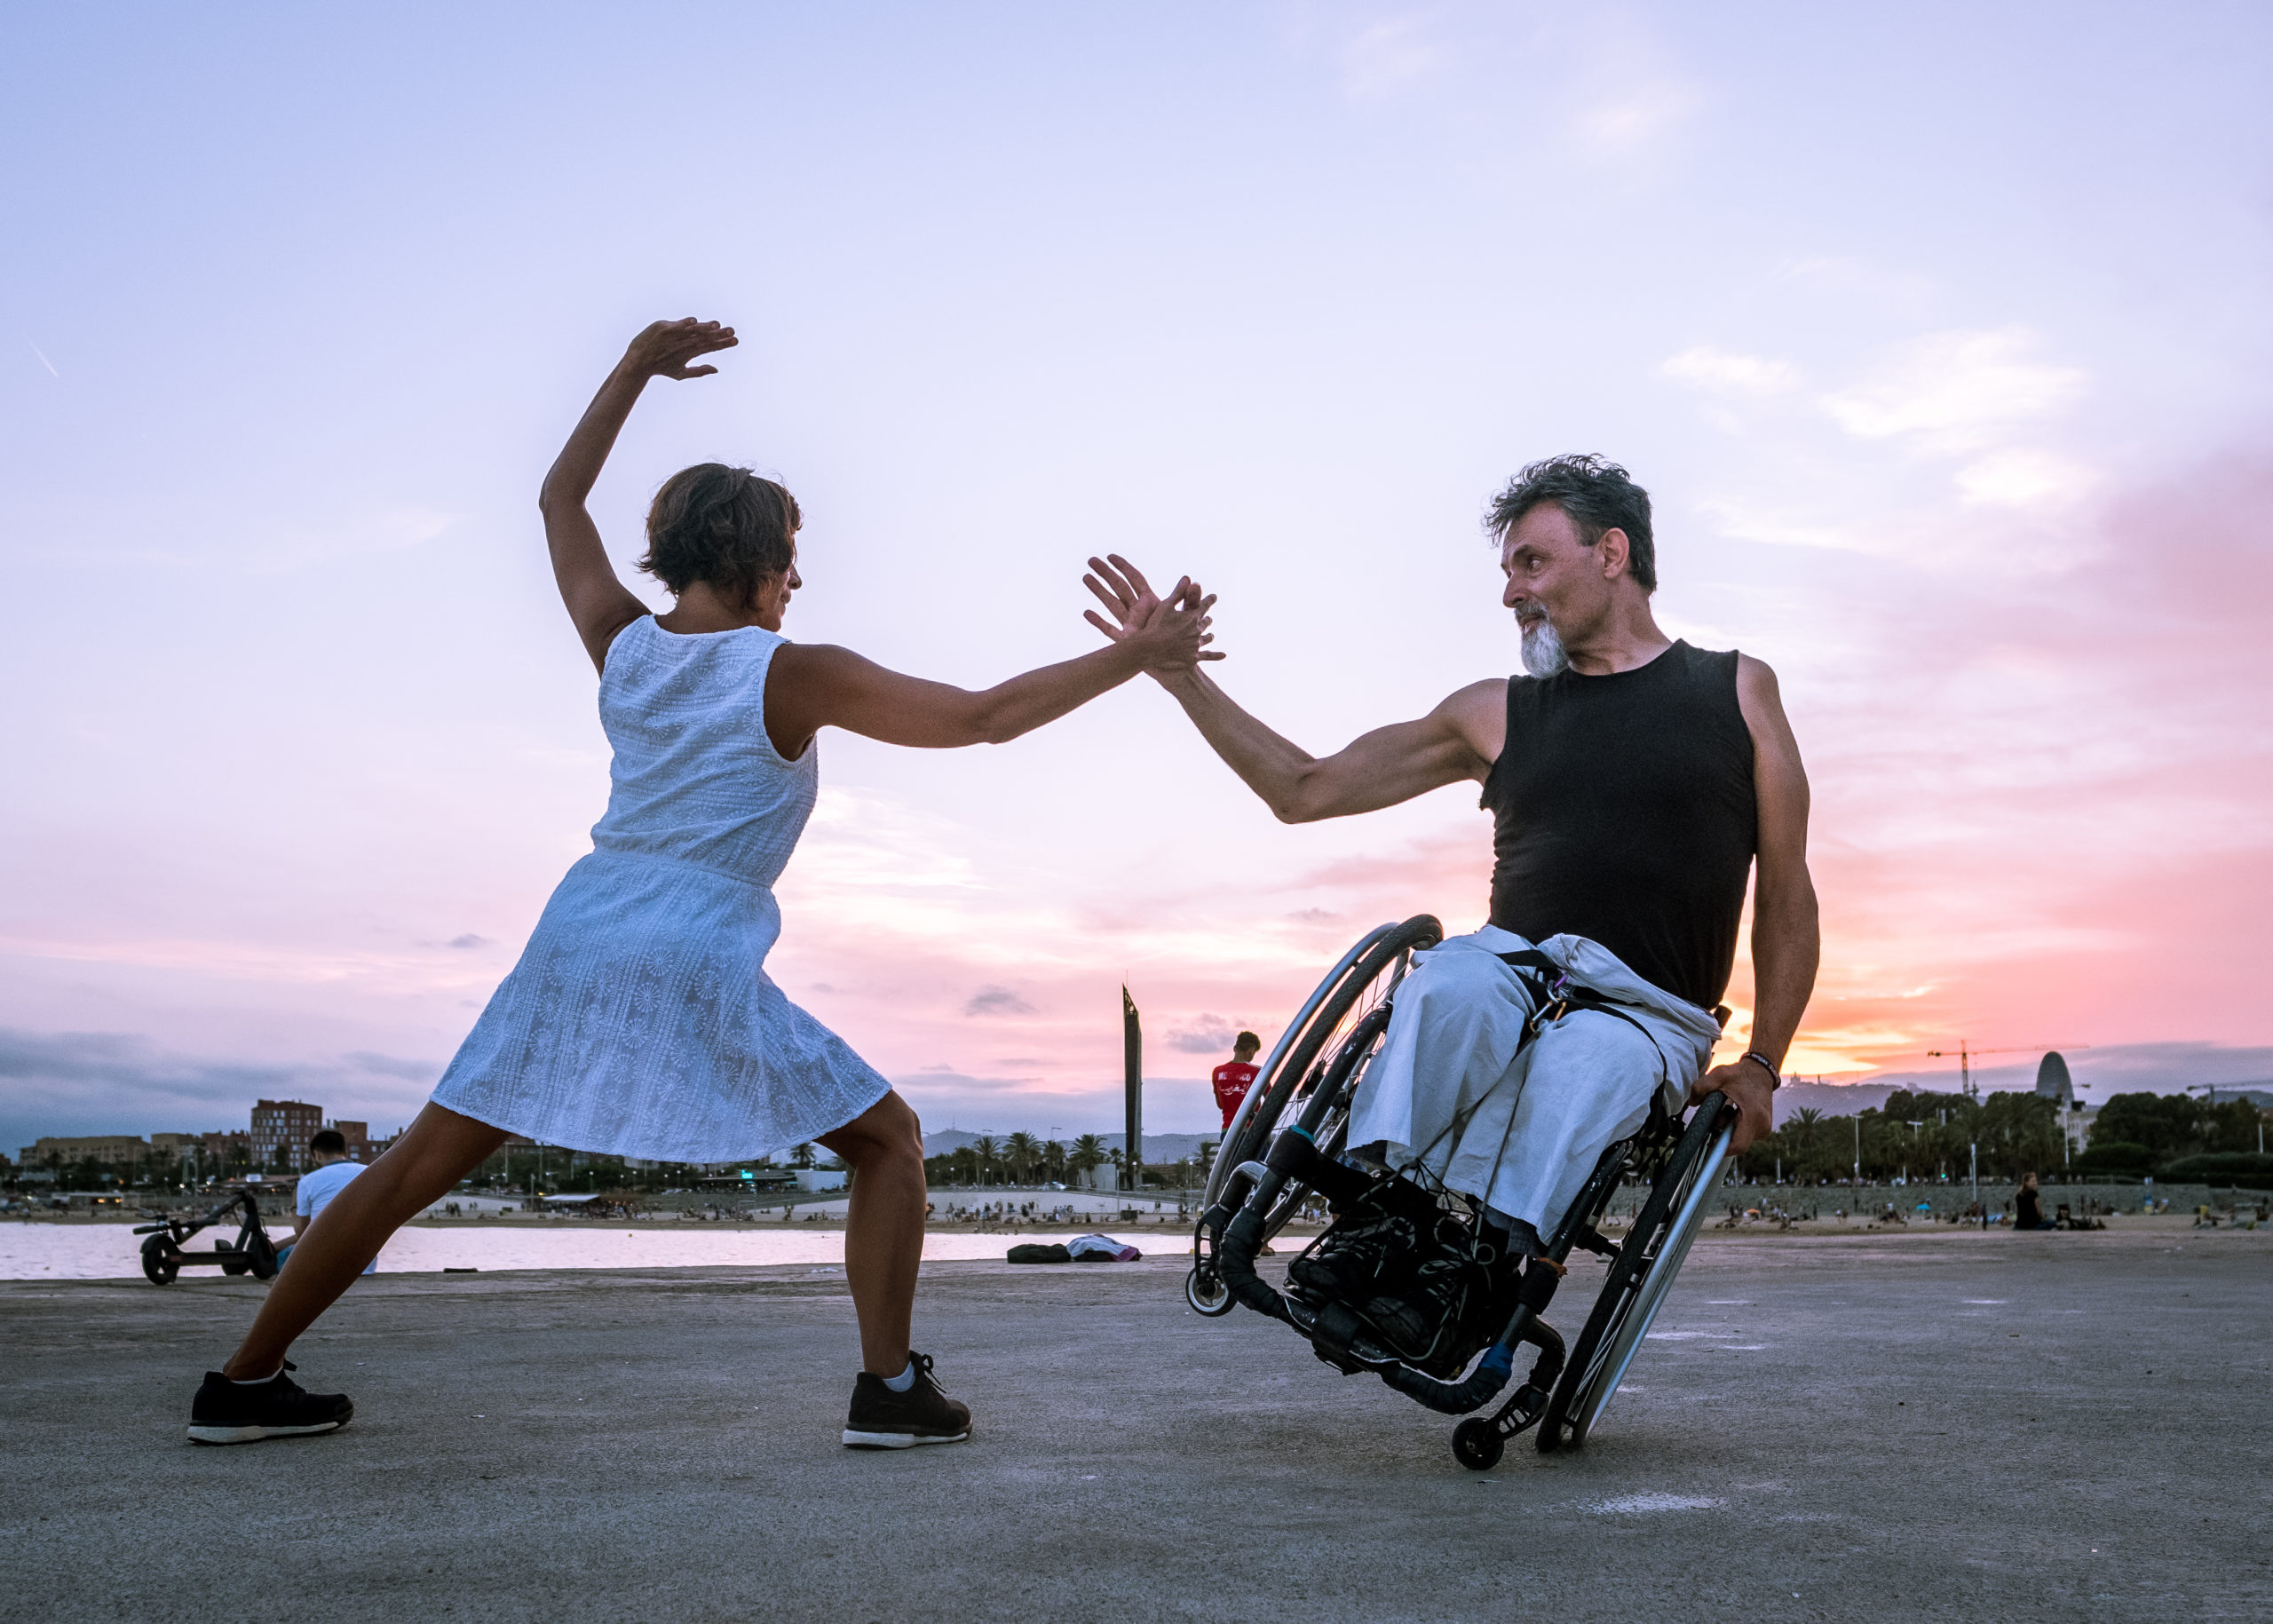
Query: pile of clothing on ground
x=1080, y=1249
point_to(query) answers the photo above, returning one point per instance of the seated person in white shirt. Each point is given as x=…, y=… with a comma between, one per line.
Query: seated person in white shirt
x=331, y=1174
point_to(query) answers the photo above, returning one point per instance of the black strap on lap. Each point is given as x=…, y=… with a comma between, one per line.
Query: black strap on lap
x=1563, y=994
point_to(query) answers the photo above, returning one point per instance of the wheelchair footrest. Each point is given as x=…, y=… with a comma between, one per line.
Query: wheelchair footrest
x=1457, y=1398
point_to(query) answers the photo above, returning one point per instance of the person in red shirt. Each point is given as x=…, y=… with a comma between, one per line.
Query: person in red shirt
x=1236, y=1075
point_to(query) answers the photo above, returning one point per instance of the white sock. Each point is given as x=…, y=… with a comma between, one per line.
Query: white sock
x=258, y=1380
x=905, y=1380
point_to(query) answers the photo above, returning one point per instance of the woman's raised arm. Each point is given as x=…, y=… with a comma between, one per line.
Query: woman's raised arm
x=598, y=603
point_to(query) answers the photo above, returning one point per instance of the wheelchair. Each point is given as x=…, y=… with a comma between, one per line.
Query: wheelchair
x=1408, y=1282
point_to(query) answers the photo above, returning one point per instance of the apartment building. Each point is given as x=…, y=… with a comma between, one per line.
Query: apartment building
x=91, y=1147
x=280, y=1130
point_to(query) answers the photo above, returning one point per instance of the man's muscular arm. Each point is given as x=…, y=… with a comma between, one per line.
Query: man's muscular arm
x=1459, y=739
x=1378, y=769
x=1786, y=941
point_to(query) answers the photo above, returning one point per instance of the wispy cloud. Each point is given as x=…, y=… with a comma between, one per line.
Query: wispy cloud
x=1730, y=372
x=1204, y=1034
x=123, y=1082
x=308, y=547
x=1953, y=393
x=2027, y=478
x=392, y=1065
x=997, y=1001
x=1626, y=121
x=1389, y=55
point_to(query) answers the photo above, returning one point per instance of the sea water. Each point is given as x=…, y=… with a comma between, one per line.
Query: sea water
x=109, y=1251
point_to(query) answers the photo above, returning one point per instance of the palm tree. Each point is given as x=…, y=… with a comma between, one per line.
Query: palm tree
x=802, y=1157
x=1088, y=1151
x=1053, y=1161
x=984, y=1149
x=1020, y=1153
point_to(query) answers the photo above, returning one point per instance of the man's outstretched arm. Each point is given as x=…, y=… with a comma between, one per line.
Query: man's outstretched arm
x=1459, y=738
x=1786, y=941
x=1378, y=769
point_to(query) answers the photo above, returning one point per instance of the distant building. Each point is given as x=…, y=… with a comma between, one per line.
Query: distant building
x=92, y=1147
x=226, y=1149
x=182, y=1148
x=358, y=1136
x=2054, y=1083
x=283, y=1128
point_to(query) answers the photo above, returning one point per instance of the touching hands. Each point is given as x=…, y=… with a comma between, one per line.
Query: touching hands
x=1749, y=1090
x=664, y=348
x=1168, y=634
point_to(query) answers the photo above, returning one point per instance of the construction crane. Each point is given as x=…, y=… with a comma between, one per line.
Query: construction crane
x=1965, y=1053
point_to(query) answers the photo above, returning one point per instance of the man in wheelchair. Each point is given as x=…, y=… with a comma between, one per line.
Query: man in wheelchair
x=1635, y=784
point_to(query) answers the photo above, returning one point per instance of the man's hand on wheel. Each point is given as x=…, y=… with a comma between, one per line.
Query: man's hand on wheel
x=1749, y=1090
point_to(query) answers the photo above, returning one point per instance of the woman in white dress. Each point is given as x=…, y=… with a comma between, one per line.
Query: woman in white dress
x=640, y=1020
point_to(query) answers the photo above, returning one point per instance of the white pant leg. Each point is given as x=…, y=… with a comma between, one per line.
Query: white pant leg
x=1449, y=1069
x=1456, y=1092
x=1588, y=1084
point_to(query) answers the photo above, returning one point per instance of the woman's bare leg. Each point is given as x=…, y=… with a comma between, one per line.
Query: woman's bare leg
x=439, y=1148
x=883, y=1232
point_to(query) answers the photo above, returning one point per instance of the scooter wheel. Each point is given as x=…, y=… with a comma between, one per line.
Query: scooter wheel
x=159, y=1263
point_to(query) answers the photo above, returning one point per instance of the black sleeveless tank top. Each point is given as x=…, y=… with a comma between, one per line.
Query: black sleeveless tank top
x=1622, y=811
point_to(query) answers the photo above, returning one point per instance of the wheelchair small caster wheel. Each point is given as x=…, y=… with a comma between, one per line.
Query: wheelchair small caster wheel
x=1208, y=1294
x=1477, y=1444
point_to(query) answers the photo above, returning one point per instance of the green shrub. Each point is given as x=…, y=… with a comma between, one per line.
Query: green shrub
x=2115, y=1156
x=2245, y=1169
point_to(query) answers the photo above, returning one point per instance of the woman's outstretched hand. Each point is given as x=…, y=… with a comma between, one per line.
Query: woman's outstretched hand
x=1169, y=633
x=664, y=348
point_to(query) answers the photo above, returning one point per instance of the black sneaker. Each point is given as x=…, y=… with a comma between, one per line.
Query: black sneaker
x=225, y=1412
x=882, y=1419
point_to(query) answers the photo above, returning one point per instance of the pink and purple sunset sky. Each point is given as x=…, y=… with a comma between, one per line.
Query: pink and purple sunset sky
x=1941, y=335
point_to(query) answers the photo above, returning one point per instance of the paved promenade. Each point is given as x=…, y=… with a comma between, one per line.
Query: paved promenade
x=1999, y=1427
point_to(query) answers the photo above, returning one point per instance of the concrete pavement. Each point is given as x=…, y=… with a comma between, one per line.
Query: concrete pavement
x=2008, y=1427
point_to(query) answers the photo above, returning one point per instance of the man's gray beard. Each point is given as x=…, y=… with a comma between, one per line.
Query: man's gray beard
x=1543, y=651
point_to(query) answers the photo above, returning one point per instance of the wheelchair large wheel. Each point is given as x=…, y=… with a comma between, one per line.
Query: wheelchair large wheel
x=1639, y=1279
x=1313, y=1073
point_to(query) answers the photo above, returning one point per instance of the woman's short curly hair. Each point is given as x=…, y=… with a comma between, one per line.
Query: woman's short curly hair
x=725, y=525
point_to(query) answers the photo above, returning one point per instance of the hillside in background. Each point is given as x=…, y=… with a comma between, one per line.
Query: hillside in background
x=1831, y=1098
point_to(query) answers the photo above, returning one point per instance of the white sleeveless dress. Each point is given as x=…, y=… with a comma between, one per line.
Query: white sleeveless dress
x=640, y=1021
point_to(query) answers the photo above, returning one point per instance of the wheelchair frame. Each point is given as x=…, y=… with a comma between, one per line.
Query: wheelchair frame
x=1284, y=1144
